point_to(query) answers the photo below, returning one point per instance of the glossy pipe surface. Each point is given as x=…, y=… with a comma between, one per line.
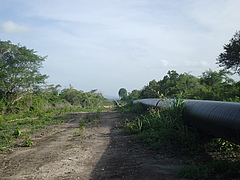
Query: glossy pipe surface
x=155, y=102
x=217, y=118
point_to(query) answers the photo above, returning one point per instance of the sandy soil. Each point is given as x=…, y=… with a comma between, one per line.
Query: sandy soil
x=102, y=152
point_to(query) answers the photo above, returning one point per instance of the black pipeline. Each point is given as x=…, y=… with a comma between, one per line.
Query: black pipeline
x=217, y=118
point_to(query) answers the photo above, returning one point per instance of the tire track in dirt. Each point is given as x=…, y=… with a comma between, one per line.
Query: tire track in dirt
x=102, y=152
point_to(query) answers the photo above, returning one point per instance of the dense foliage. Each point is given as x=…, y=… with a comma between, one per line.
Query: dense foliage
x=19, y=71
x=163, y=129
x=22, y=87
x=211, y=85
x=51, y=99
x=230, y=58
x=82, y=99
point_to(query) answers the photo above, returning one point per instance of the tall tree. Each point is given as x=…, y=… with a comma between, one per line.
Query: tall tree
x=151, y=90
x=230, y=58
x=135, y=94
x=19, y=71
x=187, y=83
x=168, y=83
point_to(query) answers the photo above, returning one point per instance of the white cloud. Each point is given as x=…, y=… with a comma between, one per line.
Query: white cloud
x=217, y=15
x=196, y=64
x=164, y=62
x=11, y=27
x=122, y=42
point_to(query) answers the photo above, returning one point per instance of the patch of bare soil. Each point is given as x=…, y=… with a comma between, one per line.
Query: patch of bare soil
x=101, y=152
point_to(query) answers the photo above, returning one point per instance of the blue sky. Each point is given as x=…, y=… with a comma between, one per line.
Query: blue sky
x=110, y=44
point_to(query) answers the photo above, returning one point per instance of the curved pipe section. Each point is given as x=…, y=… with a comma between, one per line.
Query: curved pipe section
x=155, y=102
x=117, y=104
x=217, y=118
x=220, y=119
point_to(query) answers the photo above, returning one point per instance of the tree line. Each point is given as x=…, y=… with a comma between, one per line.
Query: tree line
x=211, y=85
x=23, y=88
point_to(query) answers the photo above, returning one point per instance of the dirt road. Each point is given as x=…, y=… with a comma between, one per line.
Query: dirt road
x=99, y=152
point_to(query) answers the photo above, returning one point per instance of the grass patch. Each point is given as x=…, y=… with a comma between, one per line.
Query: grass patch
x=131, y=108
x=12, y=130
x=163, y=129
x=90, y=119
x=17, y=126
x=27, y=142
x=217, y=169
x=78, y=132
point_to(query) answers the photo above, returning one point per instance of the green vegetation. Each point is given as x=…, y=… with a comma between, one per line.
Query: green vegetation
x=79, y=132
x=17, y=132
x=27, y=103
x=211, y=85
x=10, y=131
x=163, y=130
x=89, y=120
x=230, y=59
x=19, y=72
x=217, y=169
x=50, y=100
x=23, y=92
x=28, y=142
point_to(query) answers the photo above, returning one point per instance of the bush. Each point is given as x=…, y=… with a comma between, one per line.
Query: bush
x=161, y=127
x=207, y=157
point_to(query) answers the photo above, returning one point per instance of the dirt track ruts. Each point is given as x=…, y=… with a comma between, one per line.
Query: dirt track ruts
x=102, y=152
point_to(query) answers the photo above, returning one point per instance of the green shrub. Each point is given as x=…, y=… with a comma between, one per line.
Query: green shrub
x=28, y=142
x=164, y=129
x=218, y=169
x=132, y=108
x=17, y=133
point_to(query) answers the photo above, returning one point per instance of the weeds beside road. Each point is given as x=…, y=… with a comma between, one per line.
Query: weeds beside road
x=87, y=146
x=164, y=131
x=153, y=143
